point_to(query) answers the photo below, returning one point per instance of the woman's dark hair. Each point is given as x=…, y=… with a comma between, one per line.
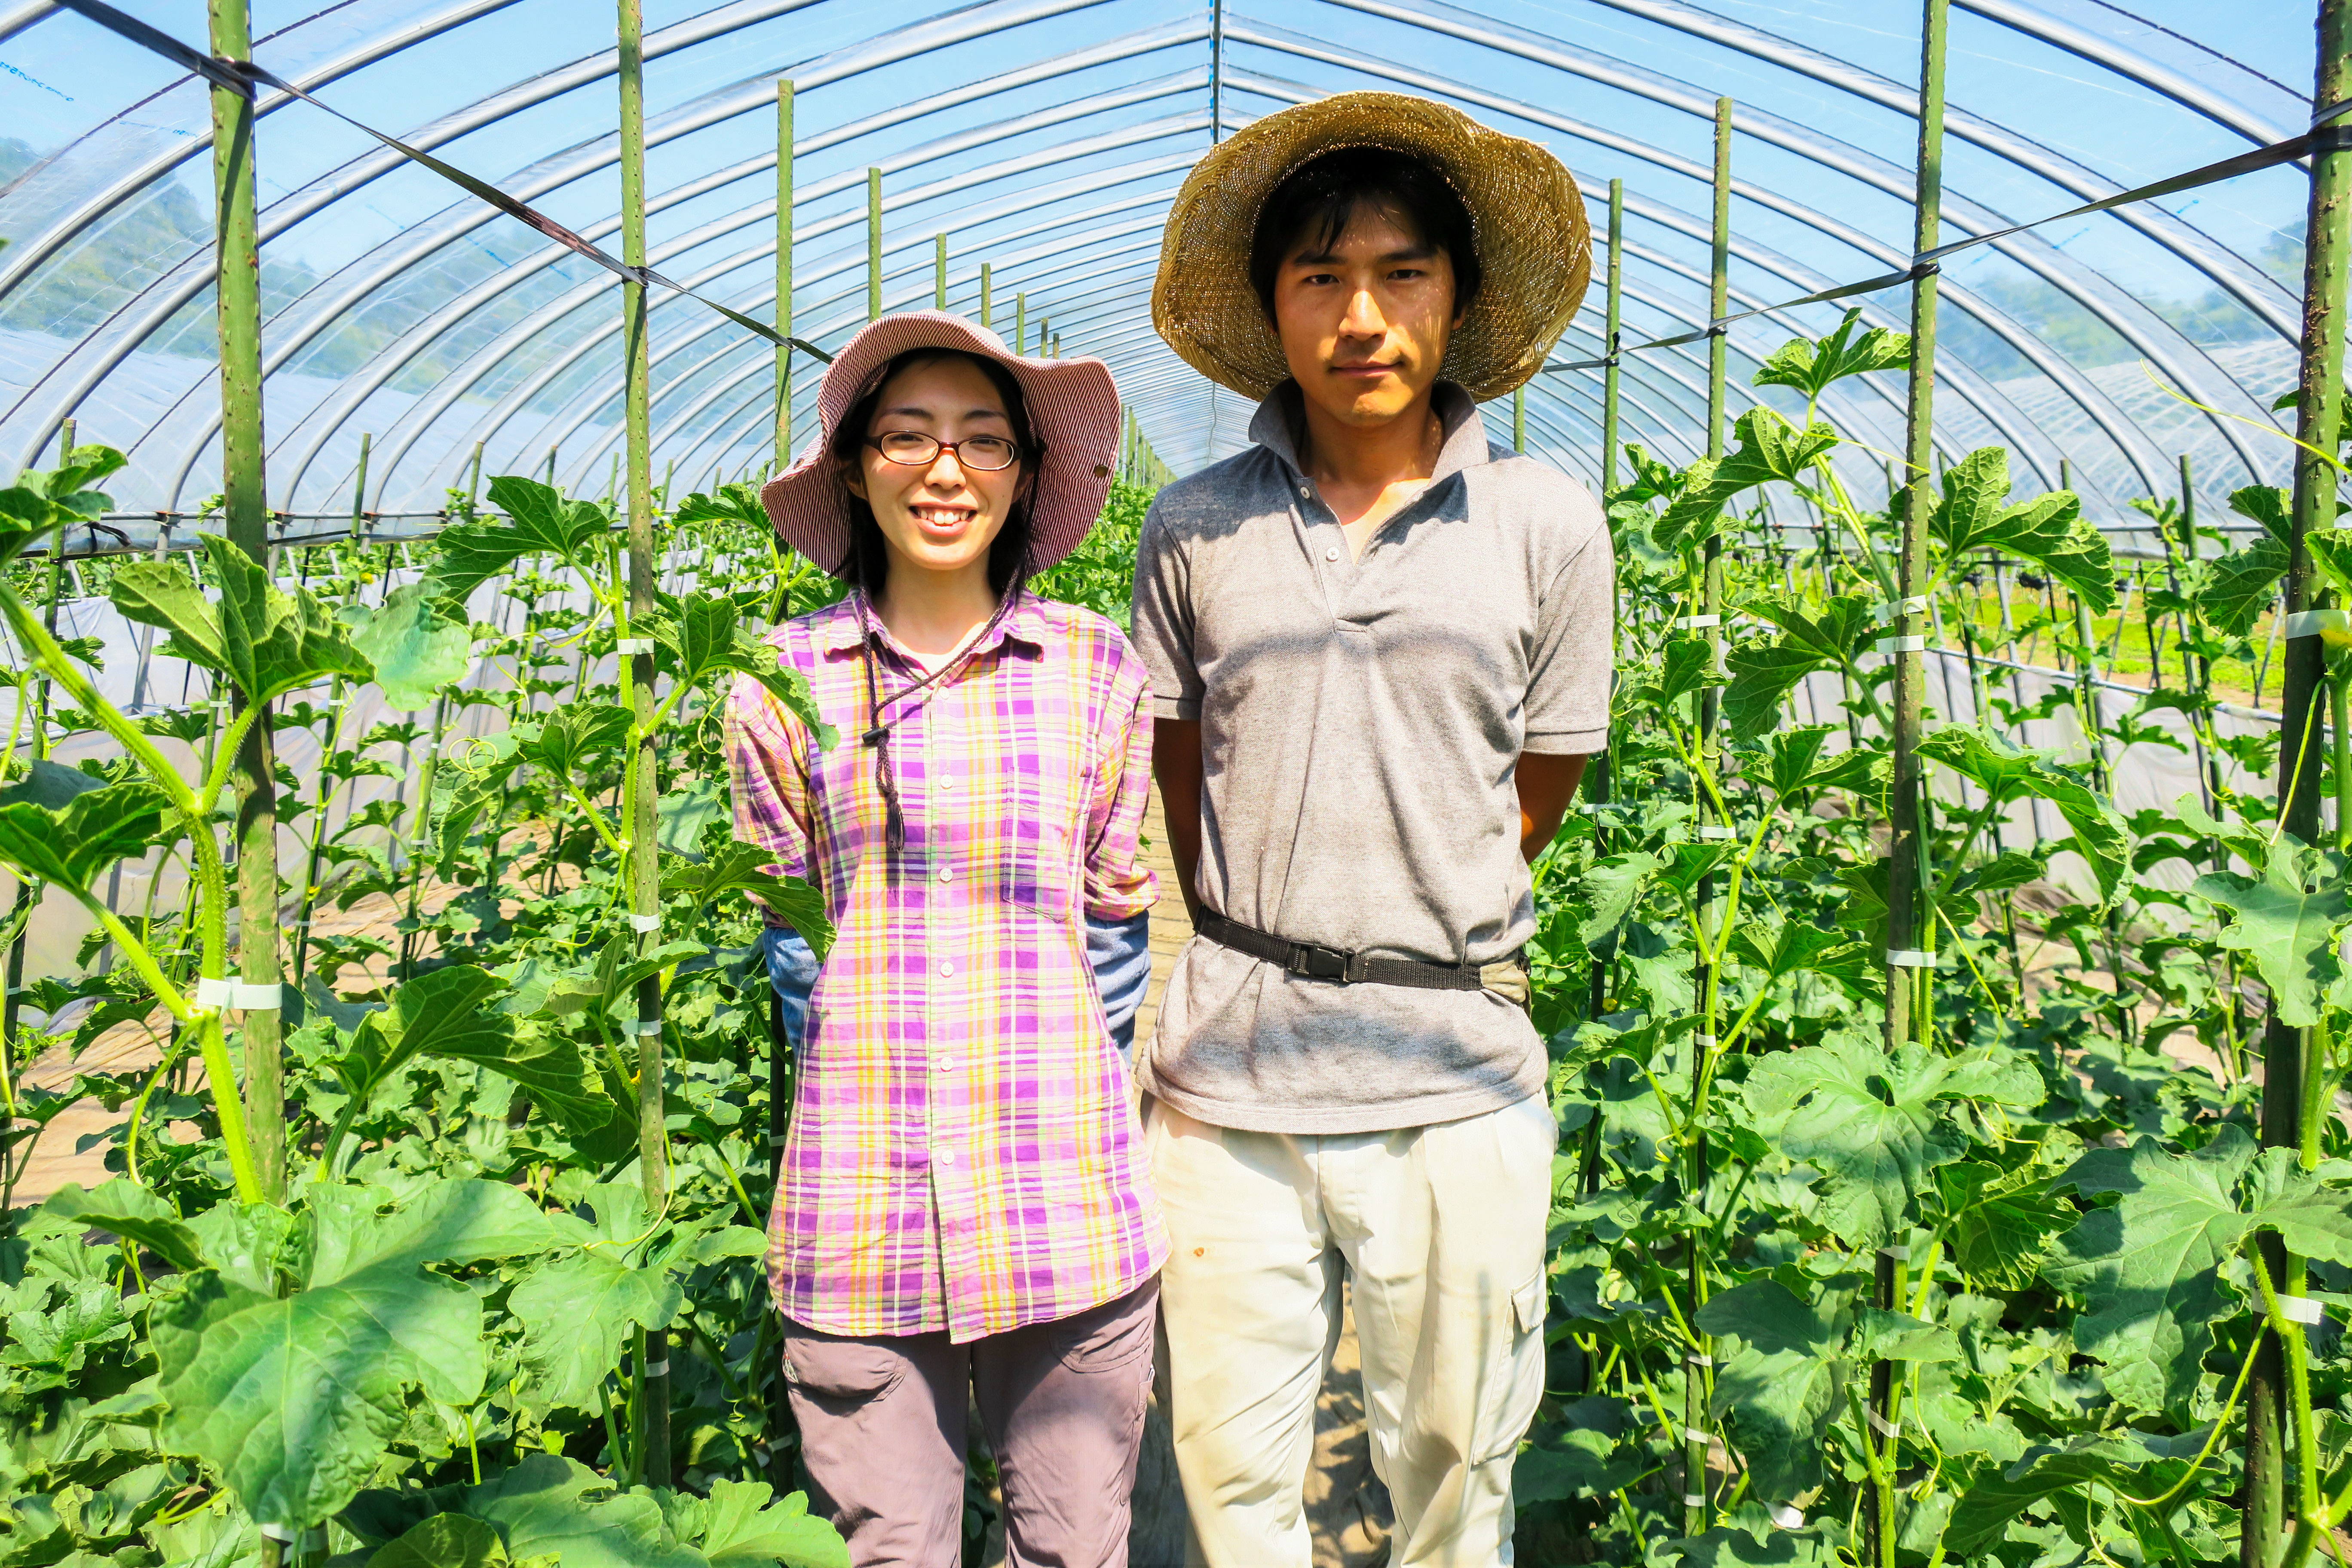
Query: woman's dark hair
x=868, y=564
x=1316, y=201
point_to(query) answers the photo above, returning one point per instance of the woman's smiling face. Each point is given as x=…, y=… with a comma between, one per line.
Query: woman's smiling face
x=942, y=515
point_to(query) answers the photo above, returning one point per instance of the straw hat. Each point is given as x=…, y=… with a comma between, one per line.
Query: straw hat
x=1072, y=410
x=1525, y=219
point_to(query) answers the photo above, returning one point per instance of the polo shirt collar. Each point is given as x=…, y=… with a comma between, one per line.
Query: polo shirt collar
x=1463, y=446
x=842, y=629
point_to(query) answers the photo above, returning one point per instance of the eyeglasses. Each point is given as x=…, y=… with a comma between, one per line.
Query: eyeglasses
x=983, y=454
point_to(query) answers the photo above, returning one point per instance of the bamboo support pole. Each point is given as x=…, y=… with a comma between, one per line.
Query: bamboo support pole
x=940, y=272
x=642, y=828
x=783, y=270
x=988, y=295
x=1909, y=986
x=1518, y=419
x=1020, y=323
x=873, y=245
x=245, y=509
x=1609, y=370
x=2287, y=1055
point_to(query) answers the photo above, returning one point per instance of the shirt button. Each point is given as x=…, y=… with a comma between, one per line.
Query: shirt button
x=947, y=874
x=944, y=1156
x=947, y=782
x=945, y=1064
x=947, y=967
x=1332, y=553
x=1303, y=490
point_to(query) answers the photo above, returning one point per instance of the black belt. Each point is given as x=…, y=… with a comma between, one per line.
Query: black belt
x=1329, y=964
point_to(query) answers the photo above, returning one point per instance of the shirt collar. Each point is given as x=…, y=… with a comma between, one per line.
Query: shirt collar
x=840, y=629
x=1463, y=443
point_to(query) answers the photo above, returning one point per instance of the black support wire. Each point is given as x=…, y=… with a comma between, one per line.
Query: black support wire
x=2323, y=136
x=241, y=77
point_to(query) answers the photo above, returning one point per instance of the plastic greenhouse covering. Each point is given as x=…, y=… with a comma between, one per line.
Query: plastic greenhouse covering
x=1044, y=139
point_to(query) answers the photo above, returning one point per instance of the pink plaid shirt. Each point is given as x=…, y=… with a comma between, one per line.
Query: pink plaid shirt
x=964, y=1152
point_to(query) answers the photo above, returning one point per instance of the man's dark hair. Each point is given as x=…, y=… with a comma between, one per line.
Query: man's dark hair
x=868, y=564
x=1316, y=200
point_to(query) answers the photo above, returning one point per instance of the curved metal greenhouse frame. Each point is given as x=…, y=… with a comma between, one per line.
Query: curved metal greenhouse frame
x=1044, y=138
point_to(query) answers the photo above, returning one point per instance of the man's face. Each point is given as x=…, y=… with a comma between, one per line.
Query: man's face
x=1364, y=322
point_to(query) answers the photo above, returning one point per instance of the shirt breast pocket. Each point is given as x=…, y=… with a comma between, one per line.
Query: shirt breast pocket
x=1039, y=870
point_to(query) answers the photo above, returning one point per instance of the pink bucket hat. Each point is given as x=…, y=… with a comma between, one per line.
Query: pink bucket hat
x=1073, y=408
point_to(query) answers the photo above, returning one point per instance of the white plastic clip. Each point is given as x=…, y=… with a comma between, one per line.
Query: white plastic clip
x=1910, y=958
x=657, y=1368
x=778, y=1140
x=1888, y=609
x=628, y=646
x=2315, y=623
x=1697, y=1358
x=254, y=998
x=1787, y=1518
x=1697, y=623
x=1694, y=1500
x=215, y=993
x=1693, y=1434
x=1882, y=1426
x=2299, y=1310
x=644, y=922
x=1899, y=645
x=1900, y=1254
x=277, y=1532
x=641, y=1026
x=1718, y=830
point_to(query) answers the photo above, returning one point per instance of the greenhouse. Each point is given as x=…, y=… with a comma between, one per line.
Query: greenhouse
x=470, y=910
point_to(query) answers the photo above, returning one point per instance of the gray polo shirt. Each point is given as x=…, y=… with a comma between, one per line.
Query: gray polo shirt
x=1360, y=724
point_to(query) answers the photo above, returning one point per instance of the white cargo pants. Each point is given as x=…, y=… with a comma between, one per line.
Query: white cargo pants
x=1442, y=1229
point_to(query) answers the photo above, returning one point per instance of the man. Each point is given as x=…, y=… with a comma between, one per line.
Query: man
x=1380, y=653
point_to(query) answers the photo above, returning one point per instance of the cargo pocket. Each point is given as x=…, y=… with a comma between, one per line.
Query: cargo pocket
x=1513, y=1385
x=839, y=1375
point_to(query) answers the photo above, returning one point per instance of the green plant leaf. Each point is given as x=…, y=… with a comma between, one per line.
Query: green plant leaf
x=1793, y=753
x=744, y=1529
x=2002, y=1222
x=415, y=647
x=2013, y=772
x=1777, y=1394
x=2287, y=923
x=42, y=501
x=1872, y=1124
x=1687, y=669
x=448, y=1013
x=266, y=641
x=2117, y=1460
x=548, y=1506
x=2268, y=505
x=578, y=1310
x=96, y=829
x=732, y=503
x=443, y=1540
x=2049, y=529
x=1769, y=448
x=2241, y=585
x=1811, y=366
x=125, y=1208
x=743, y=868
x=570, y=736
x=539, y=520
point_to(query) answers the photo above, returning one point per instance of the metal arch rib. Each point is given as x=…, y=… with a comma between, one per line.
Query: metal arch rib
x=2244, y=281
x=2027, y=250
x=975, y=21
x=468, y=217
x=17, y=18
x=2112, y=421
x=523, y=331
x=1669, y=218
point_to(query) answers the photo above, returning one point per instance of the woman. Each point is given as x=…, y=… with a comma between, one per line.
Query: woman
x=964, y=1202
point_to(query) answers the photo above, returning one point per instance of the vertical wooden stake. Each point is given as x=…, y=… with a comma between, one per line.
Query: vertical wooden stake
x=939, y=274
x=988, y=296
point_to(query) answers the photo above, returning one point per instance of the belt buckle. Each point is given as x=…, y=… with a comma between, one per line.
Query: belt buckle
x=1319, y=962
